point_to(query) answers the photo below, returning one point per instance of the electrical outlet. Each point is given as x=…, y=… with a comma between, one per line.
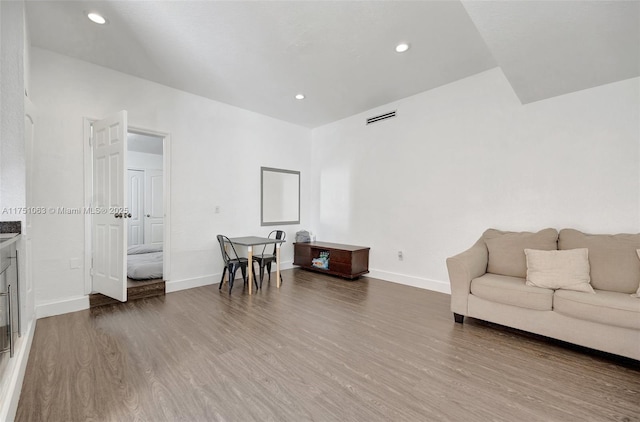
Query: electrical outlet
x=217, y=209
x=400, y=256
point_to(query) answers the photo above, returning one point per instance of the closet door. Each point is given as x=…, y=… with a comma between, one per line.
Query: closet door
x=135, y=235
x=154, y=208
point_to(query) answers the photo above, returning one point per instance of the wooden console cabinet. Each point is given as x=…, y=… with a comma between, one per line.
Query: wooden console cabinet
x=345, y=261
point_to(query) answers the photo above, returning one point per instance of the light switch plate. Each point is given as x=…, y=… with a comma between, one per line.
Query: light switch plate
x=74, y=263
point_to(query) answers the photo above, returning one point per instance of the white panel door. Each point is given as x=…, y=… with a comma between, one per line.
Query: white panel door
x=109, y=206
x=154, y=207
x=135, y=184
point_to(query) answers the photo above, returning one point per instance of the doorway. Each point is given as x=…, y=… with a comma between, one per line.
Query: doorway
x=144, y=180
x=145, y=226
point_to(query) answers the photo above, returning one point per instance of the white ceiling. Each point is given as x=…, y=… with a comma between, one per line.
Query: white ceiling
x=258, y=54
x=552, y=48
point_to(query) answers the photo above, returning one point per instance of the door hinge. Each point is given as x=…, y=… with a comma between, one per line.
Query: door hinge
x=92, y=272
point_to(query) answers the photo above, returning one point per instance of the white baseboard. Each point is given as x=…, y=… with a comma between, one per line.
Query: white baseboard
x=422, y=283
x=64, y=306
x=190, y=283
x=14, y=375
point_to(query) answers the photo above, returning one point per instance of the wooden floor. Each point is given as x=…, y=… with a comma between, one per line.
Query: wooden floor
x=136, y=289
x=318, y=349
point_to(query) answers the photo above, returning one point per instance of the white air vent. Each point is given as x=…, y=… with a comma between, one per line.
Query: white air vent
x=381, y=117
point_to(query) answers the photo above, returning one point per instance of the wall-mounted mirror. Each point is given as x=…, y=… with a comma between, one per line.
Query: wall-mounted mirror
x=280, y=196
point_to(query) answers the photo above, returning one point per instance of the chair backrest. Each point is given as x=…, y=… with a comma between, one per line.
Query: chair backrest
x=281, y=235
x=225, y=254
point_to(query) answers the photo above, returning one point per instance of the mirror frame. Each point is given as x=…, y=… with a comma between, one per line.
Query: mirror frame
x=262, y=194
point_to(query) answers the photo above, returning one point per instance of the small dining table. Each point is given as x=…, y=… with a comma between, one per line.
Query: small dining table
x=250, y=242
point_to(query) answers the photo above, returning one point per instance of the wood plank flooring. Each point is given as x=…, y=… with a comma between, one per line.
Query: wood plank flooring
x=318, y=349
x=136, y=289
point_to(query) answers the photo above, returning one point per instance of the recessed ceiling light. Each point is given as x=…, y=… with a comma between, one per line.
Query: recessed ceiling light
x=97, y=18
x=299, y=96
x=402, y=47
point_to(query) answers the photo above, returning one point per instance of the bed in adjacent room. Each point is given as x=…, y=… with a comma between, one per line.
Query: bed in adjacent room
x=144, y=262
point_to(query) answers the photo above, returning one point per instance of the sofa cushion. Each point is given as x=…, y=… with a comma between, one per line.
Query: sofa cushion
x=613, y=259
x=605, y=307
x=512, y=291
x=568, y=269
x=506, y=249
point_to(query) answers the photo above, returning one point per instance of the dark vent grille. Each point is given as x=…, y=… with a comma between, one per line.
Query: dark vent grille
x=381, y=117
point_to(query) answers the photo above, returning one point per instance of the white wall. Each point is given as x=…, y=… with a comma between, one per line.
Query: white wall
x=14, y=71
x=12, y=77
x=468, y=156
x=456, y=160
x=216, y=154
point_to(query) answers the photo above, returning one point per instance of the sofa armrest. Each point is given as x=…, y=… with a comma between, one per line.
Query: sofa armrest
x=463, y=268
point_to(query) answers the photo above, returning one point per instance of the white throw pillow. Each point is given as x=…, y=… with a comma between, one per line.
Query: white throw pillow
x=564, y=269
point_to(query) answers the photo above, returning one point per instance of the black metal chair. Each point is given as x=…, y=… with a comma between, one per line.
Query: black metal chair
x=265, y=259
x=232, y=263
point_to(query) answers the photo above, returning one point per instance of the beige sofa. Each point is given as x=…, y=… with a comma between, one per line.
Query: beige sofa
x=488, y=282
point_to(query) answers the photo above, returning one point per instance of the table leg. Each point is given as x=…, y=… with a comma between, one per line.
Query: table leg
x=278, y=265
x=250, y=267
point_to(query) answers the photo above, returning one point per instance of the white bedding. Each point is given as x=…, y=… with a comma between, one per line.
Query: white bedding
x=144, y=262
